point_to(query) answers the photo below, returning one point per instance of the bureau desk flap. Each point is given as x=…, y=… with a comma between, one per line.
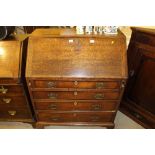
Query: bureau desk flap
x=97, y=56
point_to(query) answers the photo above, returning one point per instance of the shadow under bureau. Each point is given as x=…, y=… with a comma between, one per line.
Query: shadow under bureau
x=75, y=79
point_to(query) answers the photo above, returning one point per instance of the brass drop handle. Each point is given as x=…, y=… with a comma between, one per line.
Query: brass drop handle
x=3, y=90
x=55, y=119
x=95, y=118
x=99, y=85
x=52, y=96
x=7, y=100
x=12, y=113
x=75, y=103
x=51, y=84
x=96, y=107
x=99, y=96
x=53, y=106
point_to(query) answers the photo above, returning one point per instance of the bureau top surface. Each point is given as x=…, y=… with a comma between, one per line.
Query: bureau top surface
x=10, y=58
x=62, y=53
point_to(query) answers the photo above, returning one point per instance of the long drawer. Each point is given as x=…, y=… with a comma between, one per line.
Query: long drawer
x=76, y=105
x=80, y=95
x=13, y=114
x=75, y=117
x=15, y=101
x=76, y=84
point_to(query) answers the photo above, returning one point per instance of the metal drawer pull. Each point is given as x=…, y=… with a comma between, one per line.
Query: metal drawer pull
x=75, y=83
x=3, y=90
x=52, y=96
x=95, y=118
x=51, y=84
x=7, y=100
x=55, y=119
x=75, y=103
x=96, y=107
x=53, y=106
x=100, y=85
x=99, y=96
x=12, y=113
x=92, y=41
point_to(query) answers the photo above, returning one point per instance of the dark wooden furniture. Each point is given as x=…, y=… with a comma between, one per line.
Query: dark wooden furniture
x=30, y=29
x=75, y=79
x=139, y=97
x=14, y=103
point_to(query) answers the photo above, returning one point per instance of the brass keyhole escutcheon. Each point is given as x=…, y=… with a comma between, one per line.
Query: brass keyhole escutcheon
x=74, y=114
x=75, y=103
x=75, y=93
x=75, y=83
x=112, y=42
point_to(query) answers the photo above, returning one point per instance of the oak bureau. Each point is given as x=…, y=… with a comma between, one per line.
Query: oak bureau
x=14, y=98
x=75, y=79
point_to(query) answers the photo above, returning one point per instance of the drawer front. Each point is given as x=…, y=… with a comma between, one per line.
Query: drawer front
x=76, y=117
x=13, y=114
x=76, y=95
x=11, y=90
x=76, y=84
x=19, y=101
x=77, y=105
